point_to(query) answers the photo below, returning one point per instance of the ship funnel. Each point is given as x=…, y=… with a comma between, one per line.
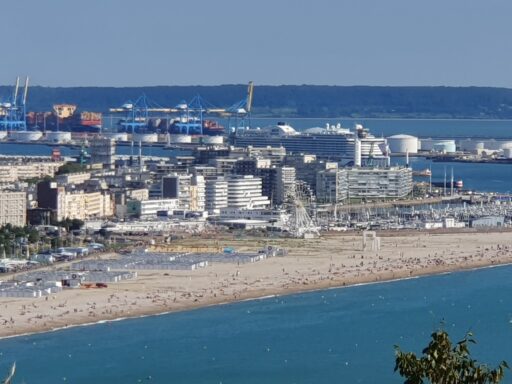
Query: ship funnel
x=357, y=152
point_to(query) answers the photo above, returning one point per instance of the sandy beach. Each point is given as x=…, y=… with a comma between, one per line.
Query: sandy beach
x=335, y=260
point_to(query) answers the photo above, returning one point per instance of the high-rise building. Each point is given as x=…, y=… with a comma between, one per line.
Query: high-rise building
x=245, y=192
x=188, y=189
x=197, y=193
x=102, y=151
x=284, y=185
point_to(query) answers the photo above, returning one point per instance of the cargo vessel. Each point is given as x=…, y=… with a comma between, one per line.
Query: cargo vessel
x=66, y=118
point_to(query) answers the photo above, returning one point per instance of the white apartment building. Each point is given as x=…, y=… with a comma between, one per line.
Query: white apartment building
x=13, y=208
x=138, y=194
x=197, y=193
x=216, y=195
x=332, y=186
x=188, y=189
x=73, y=178
x=245, y=192
x=83, y=206
x=376, y=183
x=284, y=185
x=15, y=171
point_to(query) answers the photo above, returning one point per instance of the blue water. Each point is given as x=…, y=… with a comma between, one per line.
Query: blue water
x=342, y=335
x=476, y=176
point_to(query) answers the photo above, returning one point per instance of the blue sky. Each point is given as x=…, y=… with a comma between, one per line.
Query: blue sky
x=207, y=42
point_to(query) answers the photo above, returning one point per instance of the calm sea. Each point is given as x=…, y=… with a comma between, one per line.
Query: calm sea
x=336, y=336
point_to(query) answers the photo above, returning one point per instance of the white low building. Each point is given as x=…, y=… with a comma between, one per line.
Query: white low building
x=150, y=208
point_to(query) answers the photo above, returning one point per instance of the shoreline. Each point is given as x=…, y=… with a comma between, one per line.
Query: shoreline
x=143, y=315
x=152, y=295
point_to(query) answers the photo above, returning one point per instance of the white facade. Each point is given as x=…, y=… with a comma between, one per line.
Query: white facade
x=285, y=185
x=377, y=183
x=13, y=208
x=216, y=195
x=10, y=172
x=403, y=144
x=83, y=205
x=245, y=192
x=275, y=216
x=73, y=178
x=150, y=208
x=197, y=193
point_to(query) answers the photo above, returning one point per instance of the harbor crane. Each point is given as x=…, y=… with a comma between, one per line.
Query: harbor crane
x=13, y=112
x=137, y=112
x=241, y=110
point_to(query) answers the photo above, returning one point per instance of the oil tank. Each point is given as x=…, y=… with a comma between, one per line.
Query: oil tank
x=469, y=145
x=57, y=137
x=403, y=144
x=427, y=144
x=25, y=136
x=444, y=146
x=507, y=153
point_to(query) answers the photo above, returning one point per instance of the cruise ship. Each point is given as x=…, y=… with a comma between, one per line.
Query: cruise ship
x=331, y=142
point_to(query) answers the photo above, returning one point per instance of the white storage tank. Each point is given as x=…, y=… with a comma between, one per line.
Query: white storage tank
x=180, y=139
x=507, y=153
x=25, y=136
x=445, y=146
x=427, y=144
x=496, y=145
x=211, y=140
x=403, y=144
x=57, y=137
x=505, y=144
x=469, y=145
x=145, y=137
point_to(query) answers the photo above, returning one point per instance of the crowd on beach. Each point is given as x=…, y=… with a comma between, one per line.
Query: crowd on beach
x=332, y=262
